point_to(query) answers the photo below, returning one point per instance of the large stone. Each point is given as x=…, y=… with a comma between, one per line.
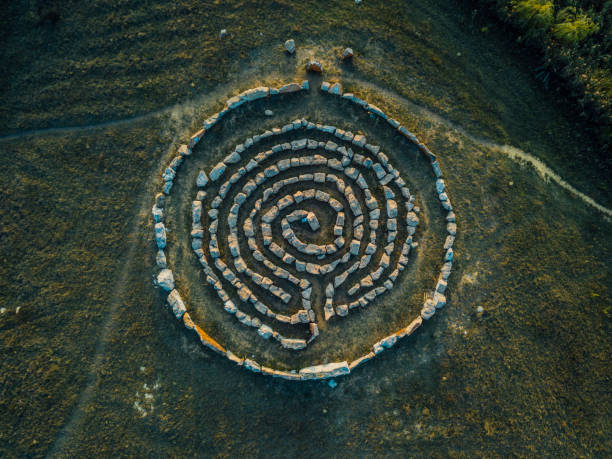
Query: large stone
x=232, y=158
x=160, y=259
x=436, y=168
x=160, y=235
x=359, y=140
x=196, y=211
x=234, y=102
x=230, y=307
x=336, y=89
x=160, y=200
x=165, y=279
x=328, y=370
x=412, y=219
x=255, y=93
x=202, y=179
x=374, y=109
x=439, y=300
x=291, y=87
x=217, y=171
x=158, y=214
x=176, y=304
x=391, y=208
x=264, y=331
x=339, y=280
x=290, y=46
x=293, y=344
x=252, y=365
x=429, y=309
x=312, y=220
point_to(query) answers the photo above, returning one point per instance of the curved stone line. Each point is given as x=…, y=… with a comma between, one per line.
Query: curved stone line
x=165, y=277
x=368, y=280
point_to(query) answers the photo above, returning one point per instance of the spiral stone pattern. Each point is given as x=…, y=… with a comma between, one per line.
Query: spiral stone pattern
x=320, y=221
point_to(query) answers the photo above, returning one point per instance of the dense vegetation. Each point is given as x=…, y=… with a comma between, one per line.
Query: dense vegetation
x=574, y=40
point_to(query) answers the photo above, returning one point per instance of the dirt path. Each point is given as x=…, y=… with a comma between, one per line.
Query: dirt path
x=86, y=127
x=78, y=414
x=516, y=154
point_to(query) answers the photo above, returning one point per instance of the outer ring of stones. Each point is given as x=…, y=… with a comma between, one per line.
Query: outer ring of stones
x=434, y=299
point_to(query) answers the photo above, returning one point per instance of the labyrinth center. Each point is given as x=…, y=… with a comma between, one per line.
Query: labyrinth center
x=299, y=228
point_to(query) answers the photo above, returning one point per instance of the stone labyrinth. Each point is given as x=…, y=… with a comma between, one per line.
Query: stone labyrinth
x=304, y=226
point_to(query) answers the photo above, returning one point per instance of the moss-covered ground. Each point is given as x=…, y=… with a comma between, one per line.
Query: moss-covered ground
x=529, y=377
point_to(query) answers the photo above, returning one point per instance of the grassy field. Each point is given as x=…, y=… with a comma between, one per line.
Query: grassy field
x=530, y=376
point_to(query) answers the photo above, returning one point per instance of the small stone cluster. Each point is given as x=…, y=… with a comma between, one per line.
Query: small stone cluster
x=348, y=173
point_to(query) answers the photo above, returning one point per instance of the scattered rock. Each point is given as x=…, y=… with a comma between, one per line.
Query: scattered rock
x=223, y=33
x=348, y=53
x=268, y=112
x=290, y=46
x=314, y=66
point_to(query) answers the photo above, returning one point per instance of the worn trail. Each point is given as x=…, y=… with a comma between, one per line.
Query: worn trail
x=516, y=154
x=78, y=414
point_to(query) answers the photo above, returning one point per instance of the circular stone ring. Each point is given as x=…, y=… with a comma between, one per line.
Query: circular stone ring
x=267, y=203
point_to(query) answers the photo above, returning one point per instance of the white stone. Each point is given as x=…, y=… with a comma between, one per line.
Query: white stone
x=294, y=344
x=336, y=89
x=160, y=259
x=255, y=93
x=328, y=370
x=232, y=158
x=176, y=303
x=429, y=309
x=264, y=331
x=412, y=219
x=391, y=208
x=165, y=279
x=217, y=171
x=202, y=179
x=312, y=220
x=290, y=46
x=160, y=235
x=158, y=214
x=359, y=140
